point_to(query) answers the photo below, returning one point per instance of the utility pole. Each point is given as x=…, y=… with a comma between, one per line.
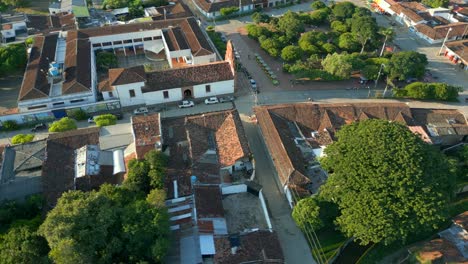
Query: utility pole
x=443, y=43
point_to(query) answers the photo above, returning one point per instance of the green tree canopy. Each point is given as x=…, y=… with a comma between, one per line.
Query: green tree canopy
x=106, y=60
x=259, y=17
x=348, y=41
x=291, y=53
x=311, y=41
x=13, y=58
x=317, y=5
x=341, y=65
x=112, y=225
x=407, y=64
x=22, y=244
x=339, y=26
x=436, y=3
x=291, y=25
x=306, y=214
x=319, y=16
x=365, y=28
x=64, y=124
x=387, y=182
x=343, y=10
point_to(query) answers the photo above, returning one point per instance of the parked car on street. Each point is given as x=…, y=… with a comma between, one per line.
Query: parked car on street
x=211, y=100
x=39, y=127
x=229, y=98
x=253, y=83
x=186, y=103
x=140, y=111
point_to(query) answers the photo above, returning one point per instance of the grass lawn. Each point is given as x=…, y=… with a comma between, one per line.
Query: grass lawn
x=330, y=240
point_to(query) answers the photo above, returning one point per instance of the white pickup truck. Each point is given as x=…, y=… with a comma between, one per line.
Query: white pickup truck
x=186, y=103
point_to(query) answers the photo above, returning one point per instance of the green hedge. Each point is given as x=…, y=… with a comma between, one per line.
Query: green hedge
x=431, y=91
x=10, y=125
x=22, y=138
x=218, y=42
x=105, y=120
x=62, y=125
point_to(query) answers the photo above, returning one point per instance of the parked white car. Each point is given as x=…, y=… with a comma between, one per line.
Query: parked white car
x=186, y=103
x=228, y=98
x=140, y=111
x=211, y=100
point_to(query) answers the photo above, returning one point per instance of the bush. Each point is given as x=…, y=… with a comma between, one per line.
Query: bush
x=420, y=90
x=226, y=11
x=62, y=125
x=22, y=138
x=79, y=114
x=10, y=125
x=105, y=120
x=317, y=5
x=106, y=60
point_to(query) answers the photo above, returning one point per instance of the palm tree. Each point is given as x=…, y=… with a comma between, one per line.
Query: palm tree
x=388, y=33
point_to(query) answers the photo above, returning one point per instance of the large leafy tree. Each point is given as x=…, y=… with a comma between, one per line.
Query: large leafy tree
x=407, y=64
x=113, y=225
x=291, y=53
x=341, y=65
x=13, y=58
x=347, y=41
x=291, y=25
x=22, y=244
x=365, y=28
x=387, y=182
x=343, y=10
x=306, y=214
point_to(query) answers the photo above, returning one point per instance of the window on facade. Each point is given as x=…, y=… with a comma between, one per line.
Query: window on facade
x=138, y=40
x=166, y=94
x=147, y=39
x=157, y=37
x=208, y=88
x=117, y=42
x=37, y=107
x=76, y=101
x=59, y=103
x=127, y=41
x=132, y=93
x=111, y=94
x=97, y=45
x=106, y=43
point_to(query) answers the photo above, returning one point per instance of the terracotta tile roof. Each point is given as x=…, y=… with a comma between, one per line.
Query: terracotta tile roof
x=179, y=10
x=46, y=24
x=322, y=119
x=208, y=202
x=460, y=48
x=439, y=32
x=438, y=117
x=77, y=66
x=60, y=149
x=188, y=76
x=193, y=34
x=228, y=132
x=104, y=86
x=462, y=220
x=146, y=133
x=35, y=84
x=119, y=76
x=438, y=250
x=255, y=247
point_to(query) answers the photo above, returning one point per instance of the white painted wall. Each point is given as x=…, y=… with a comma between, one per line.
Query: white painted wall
x=265, y=209
x=87, y=97
x=106, y=95
x=217, y=88
x=237, y=188
x=157, y=97
x=204, y=59
x=123, y=93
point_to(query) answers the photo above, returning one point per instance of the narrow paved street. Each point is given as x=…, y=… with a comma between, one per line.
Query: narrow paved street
x=293, y=242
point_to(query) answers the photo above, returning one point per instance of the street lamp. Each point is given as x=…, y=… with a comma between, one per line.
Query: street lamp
x=443, y=43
